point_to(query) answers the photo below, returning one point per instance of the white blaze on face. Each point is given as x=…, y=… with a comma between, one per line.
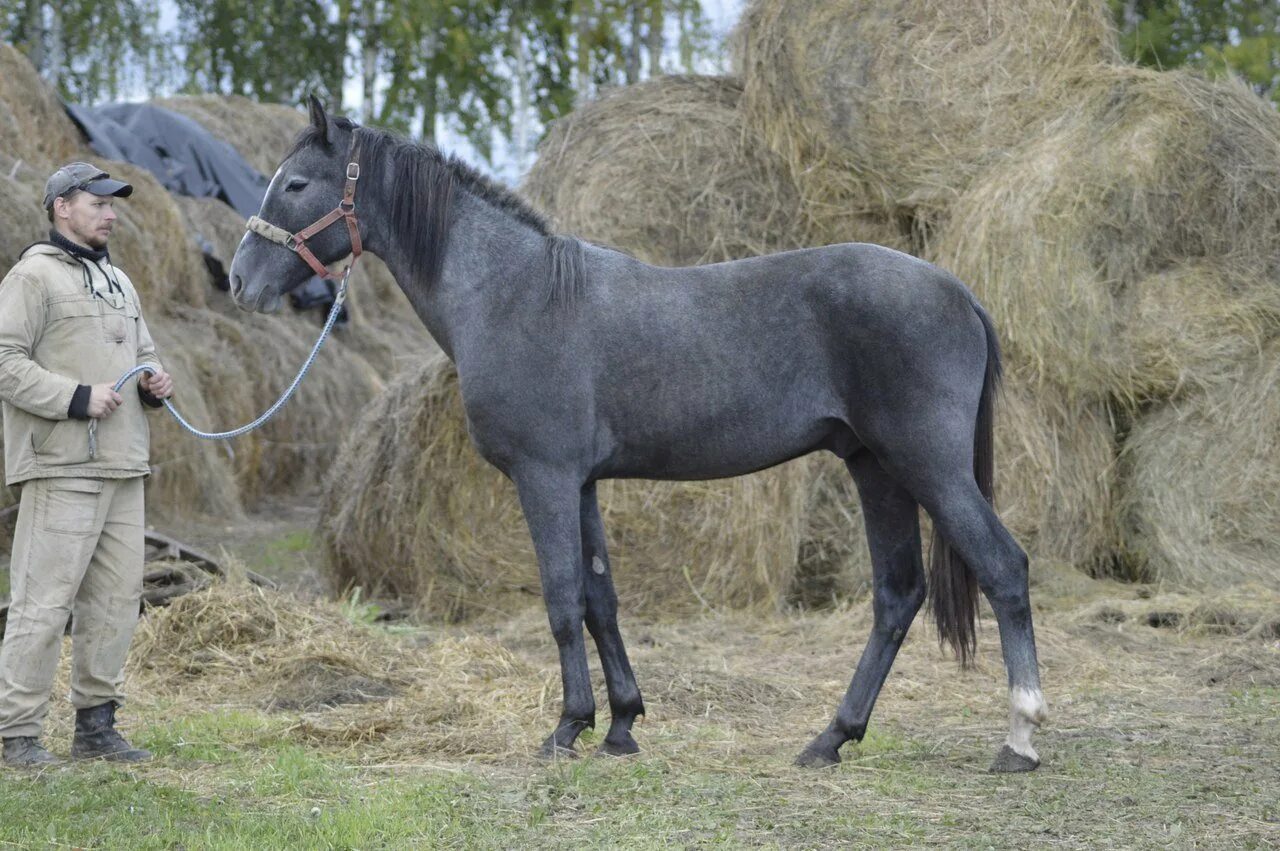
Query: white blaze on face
x=1027, y=711
x=244, y=240
x=274, y=178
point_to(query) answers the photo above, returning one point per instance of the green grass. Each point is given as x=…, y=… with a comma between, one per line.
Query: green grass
x=233, y=780
x=285, y=554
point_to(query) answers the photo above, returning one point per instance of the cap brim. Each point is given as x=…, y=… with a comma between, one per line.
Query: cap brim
x=107, y=186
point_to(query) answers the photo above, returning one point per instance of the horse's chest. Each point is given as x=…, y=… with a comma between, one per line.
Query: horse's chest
x=511, y=421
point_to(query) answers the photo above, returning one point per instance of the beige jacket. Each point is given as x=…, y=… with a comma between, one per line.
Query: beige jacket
x=55, y=335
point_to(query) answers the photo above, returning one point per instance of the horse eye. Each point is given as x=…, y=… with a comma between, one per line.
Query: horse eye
x=296, y=185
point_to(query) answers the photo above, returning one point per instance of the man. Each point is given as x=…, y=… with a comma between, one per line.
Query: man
x=70, y=326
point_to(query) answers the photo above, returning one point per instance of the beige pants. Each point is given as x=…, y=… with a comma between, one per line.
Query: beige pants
x=78, y=552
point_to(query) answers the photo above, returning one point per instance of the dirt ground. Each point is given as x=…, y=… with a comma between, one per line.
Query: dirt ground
x=1164, y=714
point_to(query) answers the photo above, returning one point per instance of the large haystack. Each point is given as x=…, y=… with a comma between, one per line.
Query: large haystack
x=188, y=476
x=412, y=510
x=1132, y=249
x=1202, y=504
x=151, y=243
x=1055, y=491
x=668, y=170
x=261, y=132
x=242, y=363
x=898, y=104
x=33, y=125
x=22, y=216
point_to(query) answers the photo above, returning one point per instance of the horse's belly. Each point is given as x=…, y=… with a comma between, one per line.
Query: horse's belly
x=714, y=455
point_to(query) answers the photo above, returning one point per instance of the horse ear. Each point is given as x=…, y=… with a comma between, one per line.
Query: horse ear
x=318, y=118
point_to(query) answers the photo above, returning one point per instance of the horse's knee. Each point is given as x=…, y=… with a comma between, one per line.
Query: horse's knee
x=895, y=609
x=566, y=626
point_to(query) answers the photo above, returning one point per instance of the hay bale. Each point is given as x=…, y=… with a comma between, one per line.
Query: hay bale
x=668, y=170
x=261, y=132
x=412, y=511
x=1055, y=491
x=1133, y=249
x=33, y=125
x=151, y=243
x=189, y=477
x=896, y=105
x=344, y=683
x=241, y=363
x=22, y=216
x=1201, y=507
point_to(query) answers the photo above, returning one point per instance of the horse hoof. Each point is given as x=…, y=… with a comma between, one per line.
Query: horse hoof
x=812, y=757
x=552, y=751
x=1009, y=761
x=626, y=747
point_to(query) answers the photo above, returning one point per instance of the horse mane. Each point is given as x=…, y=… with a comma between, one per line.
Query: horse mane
x=420, y=213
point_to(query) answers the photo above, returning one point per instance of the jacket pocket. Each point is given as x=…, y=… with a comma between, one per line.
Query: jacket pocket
x=71, y=506
x=41, y=431
x=66, y=443
x=120, y=326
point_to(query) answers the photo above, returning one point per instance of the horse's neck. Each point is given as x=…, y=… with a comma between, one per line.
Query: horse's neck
x=489, y=270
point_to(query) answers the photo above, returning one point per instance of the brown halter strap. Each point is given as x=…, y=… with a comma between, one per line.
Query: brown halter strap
x=346, y=209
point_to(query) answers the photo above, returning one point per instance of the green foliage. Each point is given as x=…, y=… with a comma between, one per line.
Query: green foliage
x=274, y=51
x=480, y=65
x=1219, y=36
x=91, y=50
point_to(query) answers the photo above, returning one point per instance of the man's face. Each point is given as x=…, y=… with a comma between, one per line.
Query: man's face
x=85, y=218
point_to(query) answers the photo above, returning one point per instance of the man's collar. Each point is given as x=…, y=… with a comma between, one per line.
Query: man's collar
x=75, y=249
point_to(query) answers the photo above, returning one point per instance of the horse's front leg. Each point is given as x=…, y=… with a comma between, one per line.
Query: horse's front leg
x=602, y=621
x=551, y=500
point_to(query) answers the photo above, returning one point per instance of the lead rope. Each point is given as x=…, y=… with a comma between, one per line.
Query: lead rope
x=150, y=369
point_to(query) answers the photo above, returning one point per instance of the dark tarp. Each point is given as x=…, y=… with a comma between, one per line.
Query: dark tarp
x=181, y=154
x=187, y=160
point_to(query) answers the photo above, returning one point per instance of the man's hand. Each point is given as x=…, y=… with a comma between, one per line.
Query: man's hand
x=159, y=385
x=103, y=400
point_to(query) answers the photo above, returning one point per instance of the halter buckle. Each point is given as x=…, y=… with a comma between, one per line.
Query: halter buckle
x=353, y=171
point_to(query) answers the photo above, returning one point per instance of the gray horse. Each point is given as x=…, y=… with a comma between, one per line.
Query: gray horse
x=579, y=363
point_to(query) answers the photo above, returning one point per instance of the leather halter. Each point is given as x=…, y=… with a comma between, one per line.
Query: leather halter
x=346, y=209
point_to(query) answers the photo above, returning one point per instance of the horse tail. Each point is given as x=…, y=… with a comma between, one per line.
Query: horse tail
x=953, y=587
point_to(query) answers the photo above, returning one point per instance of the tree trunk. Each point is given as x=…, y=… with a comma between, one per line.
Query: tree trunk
x=33, y=30
x=57, y=58
x=369, y=60
x=633, y=44
x=686, y=40
x=582, y=68
x=343, y=28
x=430, y=108
x=523, y=103
x=657, y=40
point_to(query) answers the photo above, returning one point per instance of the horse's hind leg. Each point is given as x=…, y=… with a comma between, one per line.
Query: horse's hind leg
x=602, y=619
x=551, y=502
x=971, y=527
x=893, y=533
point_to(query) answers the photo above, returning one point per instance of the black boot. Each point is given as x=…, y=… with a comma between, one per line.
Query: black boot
x=96, y=737
x=27, y=752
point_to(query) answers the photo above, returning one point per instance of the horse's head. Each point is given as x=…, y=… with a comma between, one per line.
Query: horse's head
x=305, y=191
